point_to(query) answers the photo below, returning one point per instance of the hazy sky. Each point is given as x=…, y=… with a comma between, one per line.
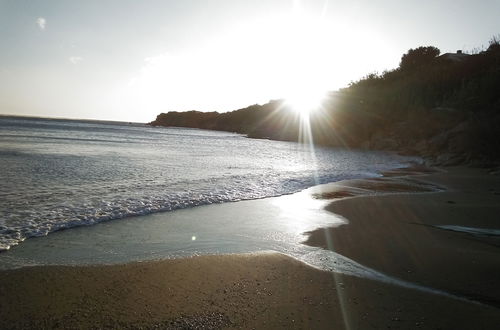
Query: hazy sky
x=130, y=60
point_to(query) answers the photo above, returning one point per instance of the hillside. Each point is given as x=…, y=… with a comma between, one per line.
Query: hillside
x=444, y=108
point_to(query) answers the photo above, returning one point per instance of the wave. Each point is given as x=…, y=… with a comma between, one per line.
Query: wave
x=83, y=179
x=61, y=208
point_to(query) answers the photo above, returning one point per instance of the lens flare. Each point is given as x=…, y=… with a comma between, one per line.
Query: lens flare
x=305, y=102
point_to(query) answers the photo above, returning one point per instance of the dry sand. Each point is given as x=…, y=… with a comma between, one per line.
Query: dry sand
x=269, y=291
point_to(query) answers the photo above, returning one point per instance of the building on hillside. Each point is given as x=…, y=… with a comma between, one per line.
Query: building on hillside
x=455, y=57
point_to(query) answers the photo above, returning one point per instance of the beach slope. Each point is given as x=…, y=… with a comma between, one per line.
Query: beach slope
x=446, y=240
x=393, y=233
x=265, y=291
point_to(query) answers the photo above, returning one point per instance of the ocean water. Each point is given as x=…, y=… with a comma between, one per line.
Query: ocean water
x=59, y=174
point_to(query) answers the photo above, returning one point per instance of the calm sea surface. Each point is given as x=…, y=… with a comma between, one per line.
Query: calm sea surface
x=57, y=174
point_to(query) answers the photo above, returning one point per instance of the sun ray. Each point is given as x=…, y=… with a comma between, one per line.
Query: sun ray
x=305, y=101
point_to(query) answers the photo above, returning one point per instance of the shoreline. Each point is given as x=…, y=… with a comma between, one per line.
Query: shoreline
x=414, y=237
x=80, y=220
x=272, y=290
x=280, y=219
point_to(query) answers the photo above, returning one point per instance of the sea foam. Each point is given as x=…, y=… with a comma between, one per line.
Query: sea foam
x=61, y=174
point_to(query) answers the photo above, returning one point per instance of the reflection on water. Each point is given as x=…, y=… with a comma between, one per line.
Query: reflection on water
x=59, y=174
x=276, y=224
x=272, y=224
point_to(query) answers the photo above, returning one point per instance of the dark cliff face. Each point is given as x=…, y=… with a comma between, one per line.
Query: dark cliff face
x=446, y=111
x=272, y=120
x=194, y=119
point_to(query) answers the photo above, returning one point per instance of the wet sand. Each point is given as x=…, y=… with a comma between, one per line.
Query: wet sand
x=390, y=233
x=395, y=233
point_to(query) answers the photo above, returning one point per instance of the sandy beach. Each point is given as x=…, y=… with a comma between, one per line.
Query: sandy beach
x=249, y=165
x=390, y=233
x=233, y=291
x=397, y=234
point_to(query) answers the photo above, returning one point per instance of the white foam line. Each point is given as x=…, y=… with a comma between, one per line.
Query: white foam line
x=470, y=230
x=346, y=266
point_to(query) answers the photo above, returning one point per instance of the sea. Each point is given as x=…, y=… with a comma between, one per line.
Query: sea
x=122, y=178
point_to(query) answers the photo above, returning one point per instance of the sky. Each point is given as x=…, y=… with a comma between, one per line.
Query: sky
x=131, y=60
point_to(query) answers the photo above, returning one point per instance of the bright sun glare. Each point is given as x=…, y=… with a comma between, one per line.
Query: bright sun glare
x=292, y=56
x=305, y=92
x=306, y=101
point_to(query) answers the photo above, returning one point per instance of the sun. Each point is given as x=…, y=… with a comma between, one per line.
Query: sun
x=305, y=102
x=289, y=56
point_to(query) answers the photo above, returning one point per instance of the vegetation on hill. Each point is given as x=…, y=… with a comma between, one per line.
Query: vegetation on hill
x=445, y=108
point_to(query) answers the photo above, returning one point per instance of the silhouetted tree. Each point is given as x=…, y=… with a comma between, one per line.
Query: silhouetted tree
x=494, y=43
x=453, y=103
x=419, y=56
